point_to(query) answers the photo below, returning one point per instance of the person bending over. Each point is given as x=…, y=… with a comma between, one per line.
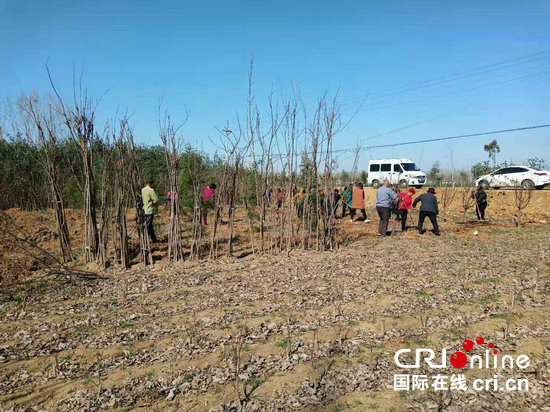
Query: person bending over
x=428, y=208
x=405, y=203
x=481, y=202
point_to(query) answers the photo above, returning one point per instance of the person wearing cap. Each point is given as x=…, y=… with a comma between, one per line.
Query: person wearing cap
x=385, y=196
x=481, y=202
x=405, y=202
x=150, y=201
x=428, y=208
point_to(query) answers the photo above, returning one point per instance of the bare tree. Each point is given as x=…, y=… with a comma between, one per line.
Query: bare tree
x=262, y=162
x=172, y=140
x=448, y=195
x=235, y=160
x=122, y=181
x=40, y=126
x=468, y=201
x=194, y=166
x=331, y=126
x=79, y=119
x=135, y=180
x=106, y=197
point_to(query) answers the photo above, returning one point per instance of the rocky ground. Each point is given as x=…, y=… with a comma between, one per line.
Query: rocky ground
x=309, y=331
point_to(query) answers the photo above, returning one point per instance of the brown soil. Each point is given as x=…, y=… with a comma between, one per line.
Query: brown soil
x=158, y=338
x=40, y=227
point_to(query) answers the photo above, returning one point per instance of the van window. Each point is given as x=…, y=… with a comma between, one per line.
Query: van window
x=386, y=167
x=410, y=167
x=397, y=168
x=374, y=168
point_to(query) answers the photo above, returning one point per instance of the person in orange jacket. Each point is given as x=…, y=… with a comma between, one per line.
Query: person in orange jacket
x=358, y=202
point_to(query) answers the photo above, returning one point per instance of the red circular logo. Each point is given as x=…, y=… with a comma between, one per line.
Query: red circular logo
x=467, y=345
x=458, y=360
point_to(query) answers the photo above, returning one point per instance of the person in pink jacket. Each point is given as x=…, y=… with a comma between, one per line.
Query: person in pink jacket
x=208, y=200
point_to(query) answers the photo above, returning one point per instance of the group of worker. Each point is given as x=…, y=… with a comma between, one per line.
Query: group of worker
x=150, y=201
x=389, y=202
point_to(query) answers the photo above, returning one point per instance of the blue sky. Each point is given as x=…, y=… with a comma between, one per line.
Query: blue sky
x=196, y=55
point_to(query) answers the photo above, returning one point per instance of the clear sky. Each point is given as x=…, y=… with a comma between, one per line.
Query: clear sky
x=383, y=54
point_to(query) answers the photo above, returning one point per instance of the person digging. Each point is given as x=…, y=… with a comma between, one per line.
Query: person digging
x=429, y=209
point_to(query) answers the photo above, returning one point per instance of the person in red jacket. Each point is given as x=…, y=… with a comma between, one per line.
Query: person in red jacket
x=405, y=202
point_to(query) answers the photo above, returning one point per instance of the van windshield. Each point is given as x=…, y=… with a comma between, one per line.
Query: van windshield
x=410, y=167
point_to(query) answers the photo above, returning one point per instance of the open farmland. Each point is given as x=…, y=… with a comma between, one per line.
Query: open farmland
x=313, y=330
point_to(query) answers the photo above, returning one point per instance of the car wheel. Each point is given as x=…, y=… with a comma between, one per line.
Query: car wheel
x=528, y=184
x=484, y=184
x=403, y=184
x=375, y=184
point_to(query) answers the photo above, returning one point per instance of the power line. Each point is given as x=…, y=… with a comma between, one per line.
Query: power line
x=384, y=106
x=455, y=76
x=450, y=85
x=440, y=139
x=481, y=68
x=408, y=126
x=436, y=139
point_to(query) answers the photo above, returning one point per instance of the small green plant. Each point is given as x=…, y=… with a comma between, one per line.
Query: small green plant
x=46, y=367
x=236, y=363
x=282, y=343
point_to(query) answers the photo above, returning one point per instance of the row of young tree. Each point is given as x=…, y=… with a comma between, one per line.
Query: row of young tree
x=56, y=155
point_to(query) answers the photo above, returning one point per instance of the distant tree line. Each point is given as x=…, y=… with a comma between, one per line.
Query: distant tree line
x=25, y=182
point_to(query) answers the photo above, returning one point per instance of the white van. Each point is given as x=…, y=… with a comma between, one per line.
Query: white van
x=398, y=171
